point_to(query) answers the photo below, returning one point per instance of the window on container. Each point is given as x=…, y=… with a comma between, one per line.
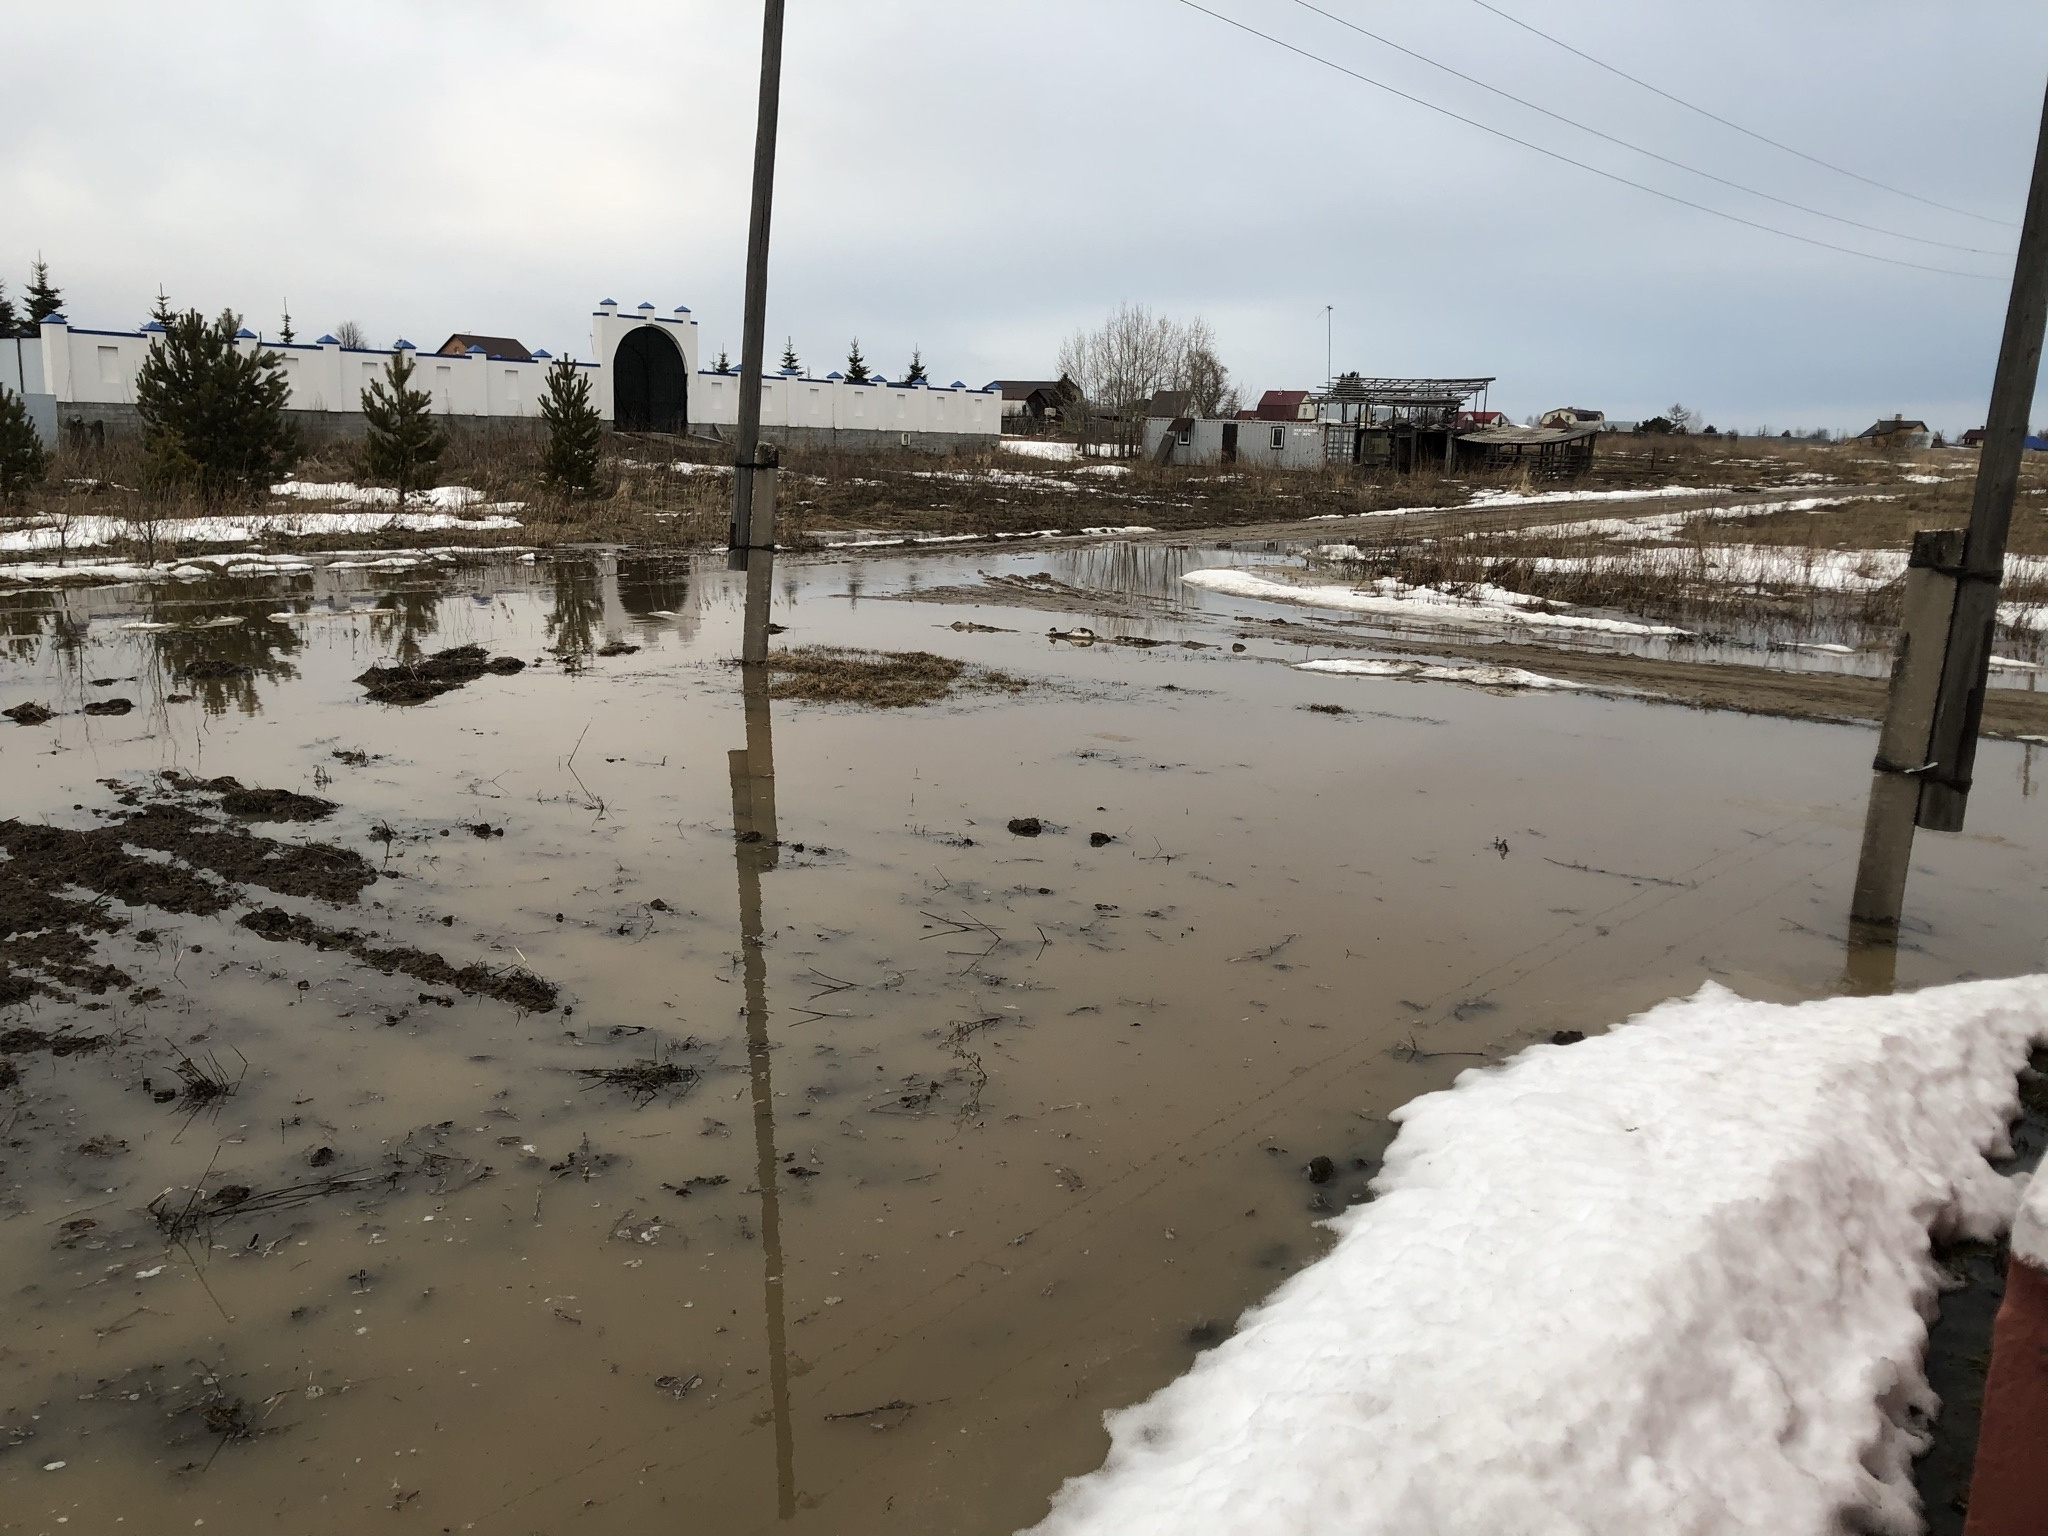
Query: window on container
x=1279, y=438
x=110, y=365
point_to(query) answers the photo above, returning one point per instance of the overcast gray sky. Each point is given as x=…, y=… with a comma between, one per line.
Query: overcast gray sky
x=980, y=179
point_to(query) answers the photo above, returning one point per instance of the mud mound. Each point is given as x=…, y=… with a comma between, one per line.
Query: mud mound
x=520, y=988
x=440, y=673
x=27, y=714
x=821, y=674
x=291, y=869
x=254, y=804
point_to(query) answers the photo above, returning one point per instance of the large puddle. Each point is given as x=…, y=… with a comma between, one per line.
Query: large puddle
x=934, y=1140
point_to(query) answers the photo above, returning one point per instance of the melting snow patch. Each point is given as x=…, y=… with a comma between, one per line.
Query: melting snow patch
x=1481, y=606
x=1476, y=675
x=1671, y=1279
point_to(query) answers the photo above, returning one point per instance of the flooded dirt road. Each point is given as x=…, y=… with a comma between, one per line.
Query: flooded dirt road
x=632, y=1106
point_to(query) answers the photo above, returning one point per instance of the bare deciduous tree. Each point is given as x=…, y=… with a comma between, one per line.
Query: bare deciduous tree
x=349, y=334
x=1134, y=354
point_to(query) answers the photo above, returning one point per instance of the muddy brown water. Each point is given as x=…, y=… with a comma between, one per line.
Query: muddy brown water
x=973, y=1135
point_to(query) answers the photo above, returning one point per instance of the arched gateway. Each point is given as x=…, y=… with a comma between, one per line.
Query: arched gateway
x=650, y=386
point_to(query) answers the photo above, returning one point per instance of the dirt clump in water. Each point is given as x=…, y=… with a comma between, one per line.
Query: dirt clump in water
x=318, y=870
x=54, y=857
x=442, y=672
x=109, y=707
x=58, y=1042
x=216, y=669
x=28, y=714
x=520, y=988
x=824, y=674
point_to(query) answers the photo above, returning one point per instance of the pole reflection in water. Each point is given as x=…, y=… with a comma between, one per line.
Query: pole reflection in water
x=754, y=850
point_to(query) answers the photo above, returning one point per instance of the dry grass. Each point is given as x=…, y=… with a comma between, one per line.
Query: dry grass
x=671, y=493
x=819, y=674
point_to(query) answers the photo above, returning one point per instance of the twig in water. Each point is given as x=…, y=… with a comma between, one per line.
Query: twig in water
x=1587, y=869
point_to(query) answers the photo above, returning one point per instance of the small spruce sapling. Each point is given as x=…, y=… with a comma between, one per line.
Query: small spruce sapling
x=856, y=365
x=789, y=360
x=285, y=333
x=404, y=442
x=161, y=311
x=44, y=299
x=569, y=462
x=724, y=364
x=23, y=462
x=917, y=374
x=213, y=415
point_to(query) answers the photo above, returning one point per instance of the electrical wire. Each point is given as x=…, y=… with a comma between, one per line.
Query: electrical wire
x=1669, y=197
x=1783, y=202
x=1839, y=170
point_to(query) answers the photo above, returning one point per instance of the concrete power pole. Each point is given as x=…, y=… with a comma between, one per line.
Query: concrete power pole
x=1928, y=743
x=751, y=535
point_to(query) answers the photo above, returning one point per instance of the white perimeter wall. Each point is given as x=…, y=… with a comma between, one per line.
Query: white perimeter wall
x=90, y=367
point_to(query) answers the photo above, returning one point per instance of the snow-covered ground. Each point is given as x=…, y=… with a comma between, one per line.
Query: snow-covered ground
x=1479, y=607
x=97, y=532
x=1472, y=674
x=1671, y=1279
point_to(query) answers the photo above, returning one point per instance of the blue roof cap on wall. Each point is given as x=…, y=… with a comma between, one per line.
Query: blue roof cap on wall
x=958, y=385
x=876, y=378
x=835, y=374
x=789, y=373
x=645, y=304
x=328, y=341
x=540, y=352
x=473, y=350
x=682, y=309
x=245, y=334
x=56, y=320
x=402, y=345
x=153, y=325
x=602, y=302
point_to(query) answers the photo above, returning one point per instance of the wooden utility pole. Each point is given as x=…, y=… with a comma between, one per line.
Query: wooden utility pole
x=1928, y=744
x=751, y=535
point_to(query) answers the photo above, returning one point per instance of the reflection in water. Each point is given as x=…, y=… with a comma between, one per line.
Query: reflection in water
x=230, y=658
x=754, y=849
x=1128, y=569
x=653, y=586
x=415, y=613
x=22, y=621
x=579, y=608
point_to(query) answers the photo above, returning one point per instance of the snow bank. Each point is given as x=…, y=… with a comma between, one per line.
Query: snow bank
x=1479, y=607
x=1670, y=1279
x=1476, y=675
x=2030, y=1223
x=97, y=532
x=452, y=498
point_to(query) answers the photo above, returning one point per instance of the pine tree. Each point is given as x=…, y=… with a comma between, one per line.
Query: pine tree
x=404, y=442
x=23, y=462
x=789, y=362
x=723, y=365
x=43, y=299
x=10, y=317
x=161, y=312
x=856, y=365
x=213, y=415
x=917, y=375
x=569, y=462
x=285, y=333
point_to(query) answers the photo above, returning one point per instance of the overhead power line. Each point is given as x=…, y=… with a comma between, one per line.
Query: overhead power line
x=1520, y=101
x=1669, y=197
x=1839, y=170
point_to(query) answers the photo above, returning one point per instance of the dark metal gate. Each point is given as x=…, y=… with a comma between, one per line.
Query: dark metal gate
x=650, y=389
